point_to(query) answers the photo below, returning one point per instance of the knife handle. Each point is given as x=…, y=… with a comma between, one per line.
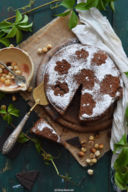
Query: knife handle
x=11, y=140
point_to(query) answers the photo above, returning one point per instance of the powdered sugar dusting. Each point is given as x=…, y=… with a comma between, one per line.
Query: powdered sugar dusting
x=43, y=125
x=100, y=71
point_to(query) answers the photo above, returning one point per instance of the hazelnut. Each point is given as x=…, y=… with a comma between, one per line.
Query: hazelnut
x=18, y=72
x=49, y=46
x=91, y=138
x=81, y=154
x=2, y=79
x=15, y=68
x=88, y=161
x=83, y=142
x=3, y=107
x=101, y=146
x=11, y=45
x=96, y=146
x=39, y=51
x=13, y=98
x=7, y=82
x=45, y=50
x=94, y=160
x=7, y=76
x=83, y=149
x=2, y=67
x=12, y=77
x=90, y=171
x=13, y=64
x=97, y=153
x=92, y=155
x=93, y=150
x=91, y=143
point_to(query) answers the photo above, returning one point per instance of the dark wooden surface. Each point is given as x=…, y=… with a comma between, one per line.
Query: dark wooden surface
x=29, y=159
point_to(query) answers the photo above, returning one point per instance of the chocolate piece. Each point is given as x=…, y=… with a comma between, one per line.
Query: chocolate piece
x=75, y=141
x=27, y=179
x=17, y=147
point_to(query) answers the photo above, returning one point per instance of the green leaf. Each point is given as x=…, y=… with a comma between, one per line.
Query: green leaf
x=73, y=20
x=22, y=138
x=19, y=36
x=121, y=144
x=25, y=27
x=7, y=117
x=69, y=4
x=25, y=20
x=112, y=6
x=64, y=13
x=11, y=33
x=5, y=24
x=101, y=5
x=5, y=41
x=85, y=6
x=126, y=73
x=1, y=34
x=121, y=181
x=122, y=160
x=6, y=30
x=3, y=111
x=18, y=16
x=13, y=111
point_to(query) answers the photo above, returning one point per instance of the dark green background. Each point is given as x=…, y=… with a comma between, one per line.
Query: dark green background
x=29, y=159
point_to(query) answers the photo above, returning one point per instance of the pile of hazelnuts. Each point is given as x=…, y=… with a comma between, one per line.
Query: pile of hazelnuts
x=6, y=77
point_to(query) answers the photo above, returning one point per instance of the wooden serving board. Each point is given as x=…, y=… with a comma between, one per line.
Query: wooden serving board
x=56, y=33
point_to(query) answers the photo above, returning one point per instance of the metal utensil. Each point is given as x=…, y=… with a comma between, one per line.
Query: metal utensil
x=19, y=79
x=40, y=98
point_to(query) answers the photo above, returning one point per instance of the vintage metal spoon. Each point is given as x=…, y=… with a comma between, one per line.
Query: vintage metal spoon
x=19, y=79
x=40, y=98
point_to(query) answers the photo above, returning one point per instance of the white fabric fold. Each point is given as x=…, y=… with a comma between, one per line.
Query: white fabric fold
x=96, y=30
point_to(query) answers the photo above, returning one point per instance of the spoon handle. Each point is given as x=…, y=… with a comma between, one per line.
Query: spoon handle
x=11, y=140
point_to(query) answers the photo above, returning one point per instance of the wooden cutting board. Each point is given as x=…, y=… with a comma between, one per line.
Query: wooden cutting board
x=56, y=33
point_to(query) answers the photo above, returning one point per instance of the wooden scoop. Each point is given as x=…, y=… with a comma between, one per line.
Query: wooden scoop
x=40, y=99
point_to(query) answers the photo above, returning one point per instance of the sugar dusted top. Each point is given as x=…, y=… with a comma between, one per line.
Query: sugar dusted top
x=78, y=65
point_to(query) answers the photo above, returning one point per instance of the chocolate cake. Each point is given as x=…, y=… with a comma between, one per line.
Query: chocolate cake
x=81, y=67
x=43, y=129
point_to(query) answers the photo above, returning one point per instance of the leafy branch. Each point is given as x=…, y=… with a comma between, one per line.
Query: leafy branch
x=121, y=163
x=47, y=157
x=10, y=30
x=72, y=7
x=8, y=112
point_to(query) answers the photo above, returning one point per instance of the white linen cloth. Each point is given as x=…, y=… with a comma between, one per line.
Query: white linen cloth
x=96, y=30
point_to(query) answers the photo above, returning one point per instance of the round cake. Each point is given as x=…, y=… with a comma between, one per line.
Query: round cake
x=87, y=69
